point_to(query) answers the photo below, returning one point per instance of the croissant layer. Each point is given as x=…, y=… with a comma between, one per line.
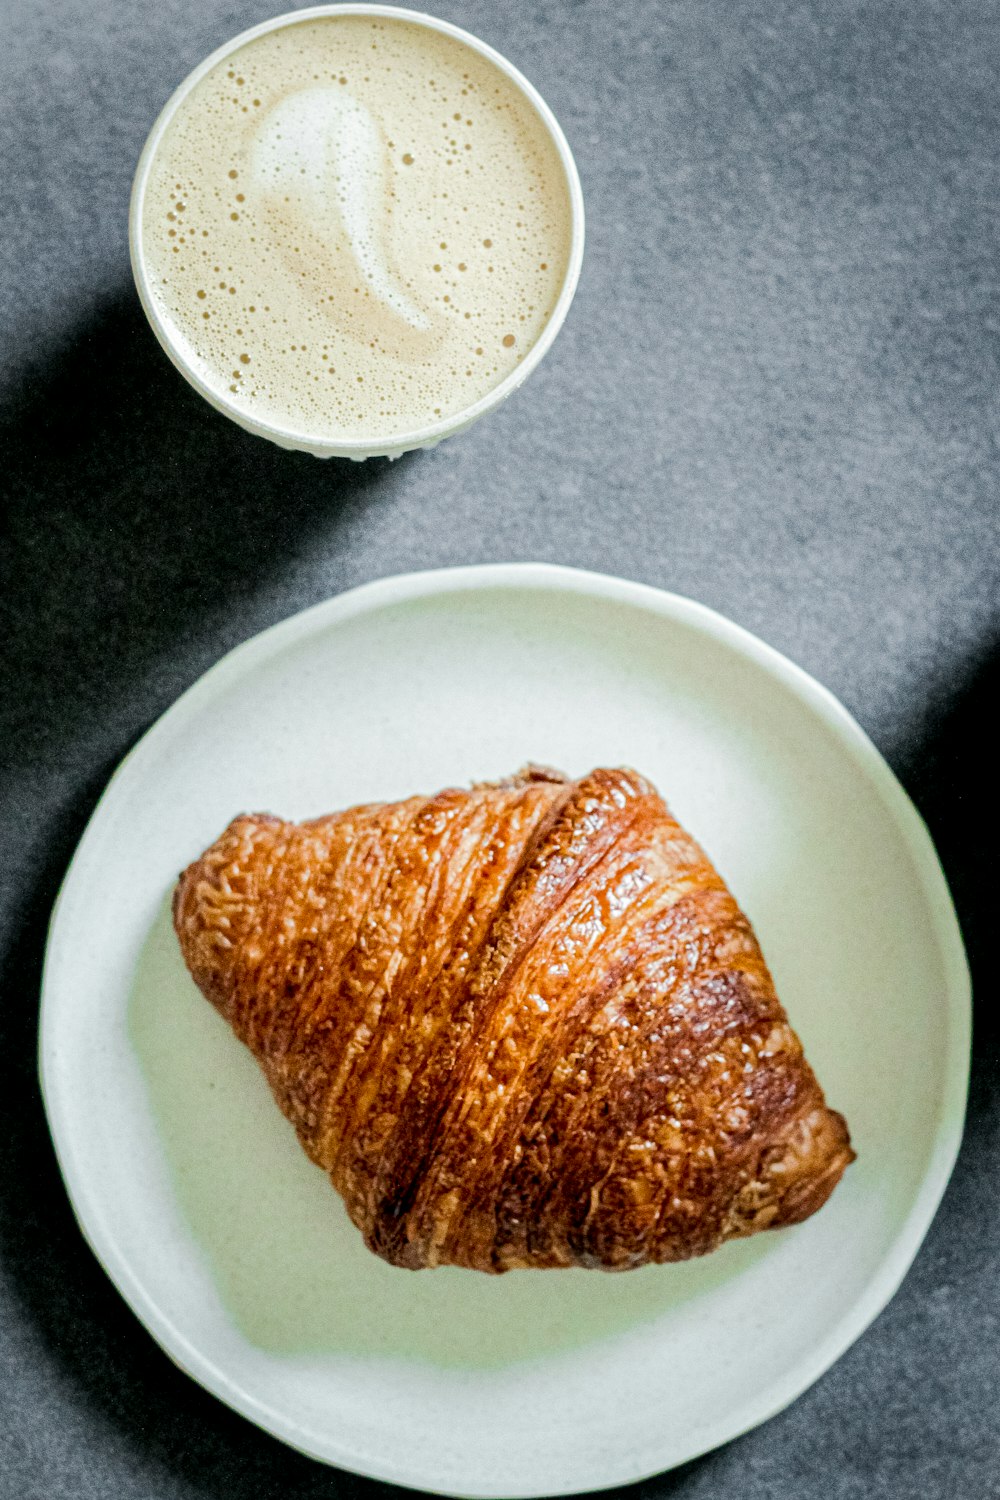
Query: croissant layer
x=521, y=1025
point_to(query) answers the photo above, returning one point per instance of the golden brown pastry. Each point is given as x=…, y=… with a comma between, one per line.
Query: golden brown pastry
x=520, y=1025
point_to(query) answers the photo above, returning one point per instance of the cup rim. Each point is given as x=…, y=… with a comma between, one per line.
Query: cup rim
x=391, y=443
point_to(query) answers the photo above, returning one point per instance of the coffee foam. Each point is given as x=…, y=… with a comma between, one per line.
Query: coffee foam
x=355, y=226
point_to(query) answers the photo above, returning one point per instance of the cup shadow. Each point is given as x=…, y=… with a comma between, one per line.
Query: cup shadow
x=136, y=517
x=290, y=1268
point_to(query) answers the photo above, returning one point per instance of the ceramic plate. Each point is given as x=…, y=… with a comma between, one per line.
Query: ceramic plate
x=233, y=1250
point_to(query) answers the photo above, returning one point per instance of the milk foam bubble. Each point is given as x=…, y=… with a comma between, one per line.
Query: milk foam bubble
x=355, y=225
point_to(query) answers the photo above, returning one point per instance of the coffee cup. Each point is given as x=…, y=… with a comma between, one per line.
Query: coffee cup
x=356, y=229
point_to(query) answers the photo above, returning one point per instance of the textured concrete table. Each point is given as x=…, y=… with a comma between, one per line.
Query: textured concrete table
x=776, y=392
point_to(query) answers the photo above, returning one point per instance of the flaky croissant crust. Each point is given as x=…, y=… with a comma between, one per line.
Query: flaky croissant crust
x=520, y=1025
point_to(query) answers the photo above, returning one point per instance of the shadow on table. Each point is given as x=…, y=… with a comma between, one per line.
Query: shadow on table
x=951, y=774
x=137, y=518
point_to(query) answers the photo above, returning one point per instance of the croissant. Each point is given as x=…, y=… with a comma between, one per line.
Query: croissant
x=521, y=1025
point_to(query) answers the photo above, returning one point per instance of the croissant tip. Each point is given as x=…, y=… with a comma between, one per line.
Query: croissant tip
x=530, y=774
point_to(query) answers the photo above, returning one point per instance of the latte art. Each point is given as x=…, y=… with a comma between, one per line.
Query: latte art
x=355, y=225
x=322, y=168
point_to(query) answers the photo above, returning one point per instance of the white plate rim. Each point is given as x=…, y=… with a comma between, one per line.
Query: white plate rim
x=956, y=999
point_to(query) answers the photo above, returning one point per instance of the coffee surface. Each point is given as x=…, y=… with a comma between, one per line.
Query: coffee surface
x=355, y=226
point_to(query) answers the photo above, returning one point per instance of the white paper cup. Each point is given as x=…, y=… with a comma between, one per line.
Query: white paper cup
x=378, y=445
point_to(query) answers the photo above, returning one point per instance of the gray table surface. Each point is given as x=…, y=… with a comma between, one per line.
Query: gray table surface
x=776, y=392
